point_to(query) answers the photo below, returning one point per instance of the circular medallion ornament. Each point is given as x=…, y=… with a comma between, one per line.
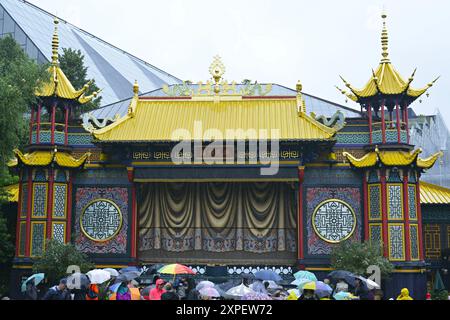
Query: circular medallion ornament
x=334, y=221
x=101, y=220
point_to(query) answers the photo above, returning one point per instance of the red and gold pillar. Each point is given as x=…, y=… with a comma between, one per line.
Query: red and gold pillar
x=301, y=179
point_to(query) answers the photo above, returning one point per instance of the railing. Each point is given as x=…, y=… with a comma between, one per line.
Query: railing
x=394, y=132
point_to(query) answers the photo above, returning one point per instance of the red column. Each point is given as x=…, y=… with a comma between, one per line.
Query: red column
x=384, y=213
x=406, y=123
x=66, y=126
x=366, y=208
x=301, y=178
x=29, y=210
x=53, y=123
x=419, y=221
x=69, y=209
x=370, y=123
x=19, y=213
x=406, y=216
x=383, y=124
x=51, y=180
x=134, y=214
x=38, y=126
x=397, y=110
x=31, y=125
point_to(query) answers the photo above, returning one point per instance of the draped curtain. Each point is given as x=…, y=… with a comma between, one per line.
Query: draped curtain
x=217, y=217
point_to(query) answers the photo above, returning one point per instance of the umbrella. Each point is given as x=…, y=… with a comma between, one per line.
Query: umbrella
x=239, y=291
x=369, y=283
x=128, y=276
x=255, y=296
x=204, y=284
x=305, y=275
x=146, y=291
x=98, y=276
x=295, y=292
x=320, y=288
x=267, y=275
x=300, y=282
x=342, y=274
x=38, y=277
x=209, y=292
x=272, y=284
x=154, y=269
x=112, y=272
x=176, y=269
x=78, y=281
x=129, y=269
x=115, y=287
x=438, y=283
x=343, y=296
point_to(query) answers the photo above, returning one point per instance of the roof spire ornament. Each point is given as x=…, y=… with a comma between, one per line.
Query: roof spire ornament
x=217, y=70
x=384, y=40
x=55, y=43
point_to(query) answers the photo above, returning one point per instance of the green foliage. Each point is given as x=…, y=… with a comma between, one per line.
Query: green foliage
x=19, y=77
x=439, y=295
x=6, y=245
x=72, y=64
x=57, y=257
x=356, y=257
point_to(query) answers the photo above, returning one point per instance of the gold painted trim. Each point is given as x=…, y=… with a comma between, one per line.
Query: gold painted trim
x=389, y=200
x=410, y=271
x=22, y=267
x=33, y=216
x=319, y=269
x=315, y=213
x=64, y=224
x=31, y=237
x=320, y=165
x=146, y=163
x=369, y=187
x=217, y=180
x=65, y=201
x=403, y=242
x=84, y=211
x=87, y=166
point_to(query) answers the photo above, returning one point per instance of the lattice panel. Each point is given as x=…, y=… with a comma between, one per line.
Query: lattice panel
x=22, y=238
x=59, y=200
x=412, y=202
x=101, y=220
x=396, y=242
x=395, y=203
x=24, y=201
x=39, y=200
x=37, y=238
x=375, y=233
x=414, y=238
x=374, y=202
x=59, y=231
x=432, y=241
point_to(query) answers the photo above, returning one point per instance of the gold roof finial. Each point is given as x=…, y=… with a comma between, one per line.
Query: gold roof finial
x=217, y=70
x=136, y=88
x=384, y=39
x=55, y=43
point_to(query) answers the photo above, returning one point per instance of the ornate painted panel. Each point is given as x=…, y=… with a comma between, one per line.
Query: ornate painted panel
x=375, y=233
x=396, y=237
x=414, y=241
x=59, y=200
x=37, y=238
x=24, y=201
x=96, y=212
x=315, y=196
x=374, y=202
x=59, y=231
x=39, y=200
x=22, y=238
x=395, y=201
x=412, y=202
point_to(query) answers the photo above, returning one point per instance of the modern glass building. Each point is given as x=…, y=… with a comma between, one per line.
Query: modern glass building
x=113, y=69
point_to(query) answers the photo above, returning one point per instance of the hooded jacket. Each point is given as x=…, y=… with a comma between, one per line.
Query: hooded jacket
x=404, y=295
x=156, y=293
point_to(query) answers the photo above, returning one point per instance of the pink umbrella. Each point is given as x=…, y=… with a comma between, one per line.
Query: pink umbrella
x=209, y=292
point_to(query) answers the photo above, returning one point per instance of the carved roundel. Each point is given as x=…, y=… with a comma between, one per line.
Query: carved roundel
x=334, y=221
x=101, y=220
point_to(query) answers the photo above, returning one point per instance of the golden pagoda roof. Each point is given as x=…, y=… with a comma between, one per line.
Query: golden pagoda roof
x=433, y=194
x=12, y=192
x=58, y=84
x=392, y=159
x=45, y=158
x=385, y=80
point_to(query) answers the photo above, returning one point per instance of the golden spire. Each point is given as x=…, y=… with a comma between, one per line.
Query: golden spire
x=384, y=40
x=55, y=43
x=136, y=88
x=217, y=70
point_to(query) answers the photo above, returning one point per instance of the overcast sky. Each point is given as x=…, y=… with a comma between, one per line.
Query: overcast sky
x=277, y=41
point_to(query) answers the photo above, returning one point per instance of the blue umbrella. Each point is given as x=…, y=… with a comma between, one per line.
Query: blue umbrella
x=38, y=277
x=129, y=269
x=305, y=275
x=267, y=275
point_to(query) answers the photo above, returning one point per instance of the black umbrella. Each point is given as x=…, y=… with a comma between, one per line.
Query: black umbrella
x=154, y=268
x=128, y=276
x=146, y=291
x=347, y=276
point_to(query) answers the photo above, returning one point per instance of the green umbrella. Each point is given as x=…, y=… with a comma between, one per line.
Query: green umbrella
x=438, y=283
x=38, y=277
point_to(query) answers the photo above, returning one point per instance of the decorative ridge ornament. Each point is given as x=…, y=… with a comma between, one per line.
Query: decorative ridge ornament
x=55, y=44
x=217, y=70
x=384, y=40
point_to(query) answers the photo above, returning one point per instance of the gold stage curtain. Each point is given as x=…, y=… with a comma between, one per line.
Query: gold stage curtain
x=217, y=217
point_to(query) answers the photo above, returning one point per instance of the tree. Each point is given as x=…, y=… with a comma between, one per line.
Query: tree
x=57, y=257
x=72, y=64
x=356, y=257
x=19, y=77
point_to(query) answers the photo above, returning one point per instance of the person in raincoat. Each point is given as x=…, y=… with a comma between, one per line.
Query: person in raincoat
x=123, y=292
x=157, y=292
x=93, y=292
x=31, y=292
x=404, y=295
x=170, y=293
